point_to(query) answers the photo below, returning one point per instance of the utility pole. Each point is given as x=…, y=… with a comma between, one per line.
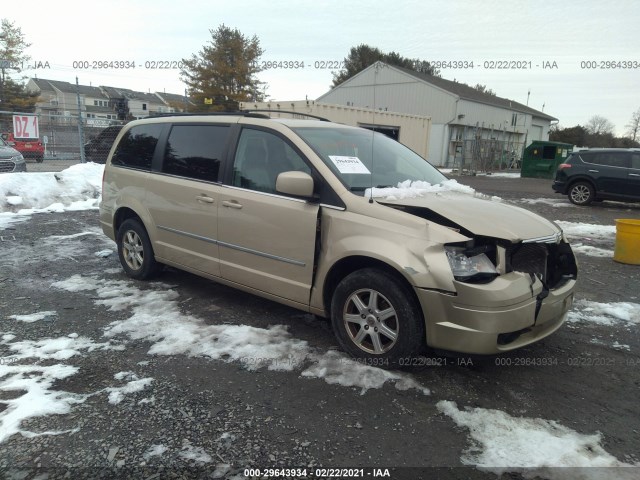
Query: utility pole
x=80, y=126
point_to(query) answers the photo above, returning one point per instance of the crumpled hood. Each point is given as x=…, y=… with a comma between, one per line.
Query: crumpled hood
x=482, y=217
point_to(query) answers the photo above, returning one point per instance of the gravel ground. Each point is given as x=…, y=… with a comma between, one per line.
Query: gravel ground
x=214, y=418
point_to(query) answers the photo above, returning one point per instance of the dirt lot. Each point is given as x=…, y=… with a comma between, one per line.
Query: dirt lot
x=586, y=377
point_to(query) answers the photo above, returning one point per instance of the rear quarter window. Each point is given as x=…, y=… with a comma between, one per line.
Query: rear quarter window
x=137, y=146
x=611, y=159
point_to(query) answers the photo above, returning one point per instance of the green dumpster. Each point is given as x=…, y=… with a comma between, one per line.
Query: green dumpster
x=541, y=159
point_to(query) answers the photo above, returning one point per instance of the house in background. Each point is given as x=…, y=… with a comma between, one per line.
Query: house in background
x=101, y=105
x=469, y=127
x=58, y=103
x=175, y=103
x=131, y=104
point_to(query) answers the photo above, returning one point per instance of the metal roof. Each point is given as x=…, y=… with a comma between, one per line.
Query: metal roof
x=469, y=93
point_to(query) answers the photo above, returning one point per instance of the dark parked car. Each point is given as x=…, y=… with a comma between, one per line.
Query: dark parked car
x=11, y=160
x=600, y=174
x=97, y=149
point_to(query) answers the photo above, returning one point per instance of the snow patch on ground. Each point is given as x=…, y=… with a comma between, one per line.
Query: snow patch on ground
x=592, y=251
x=8, y=218
x=156, y=318
x=531, y=446
x=23, y=194
x=68, y=189
x=154, y=451
x=35, y=381
x=38, y=398
x=57, y=248
x=34, y=317
x=61, y=348
x=619, y=346
x=552, y=202
x=135, y=384
x=582, y=235
x=625, y=313
x=337, y=369
x=195, y=454
x=582, y=231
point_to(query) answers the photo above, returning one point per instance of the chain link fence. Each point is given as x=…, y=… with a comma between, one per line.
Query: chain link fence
x=478, y=150
x=60, y=137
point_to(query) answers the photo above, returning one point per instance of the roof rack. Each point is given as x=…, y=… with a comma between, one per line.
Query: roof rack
x=248, y=111
x=255, y=113
x=242, y=113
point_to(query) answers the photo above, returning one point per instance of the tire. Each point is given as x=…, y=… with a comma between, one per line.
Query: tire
x=135, y=251
x=374, y=317
x=39, y=159
x=581, y=193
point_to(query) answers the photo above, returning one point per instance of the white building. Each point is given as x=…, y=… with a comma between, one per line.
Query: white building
x=468, y=126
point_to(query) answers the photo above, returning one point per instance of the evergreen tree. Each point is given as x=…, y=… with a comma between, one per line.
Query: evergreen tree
x=223, y=73
x=12, y=59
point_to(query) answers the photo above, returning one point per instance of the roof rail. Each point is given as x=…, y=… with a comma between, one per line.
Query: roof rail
x=248, y=111
x=242, y=113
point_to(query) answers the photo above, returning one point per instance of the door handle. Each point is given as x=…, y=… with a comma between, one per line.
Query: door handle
x=204, y=199
x=634, y=174
x=594, y=171
x=231, y=204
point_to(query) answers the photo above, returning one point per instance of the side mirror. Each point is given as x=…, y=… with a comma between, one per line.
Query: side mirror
x=298, y=184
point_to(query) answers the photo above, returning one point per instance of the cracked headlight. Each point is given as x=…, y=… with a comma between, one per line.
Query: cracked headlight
x=469, y=266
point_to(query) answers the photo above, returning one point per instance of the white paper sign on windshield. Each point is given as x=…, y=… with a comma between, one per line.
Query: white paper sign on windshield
x=346, y=164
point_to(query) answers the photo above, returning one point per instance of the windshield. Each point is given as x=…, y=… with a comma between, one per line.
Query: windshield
x=361, y=158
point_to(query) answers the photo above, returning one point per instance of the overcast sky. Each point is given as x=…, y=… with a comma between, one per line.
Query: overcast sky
x=534, y=33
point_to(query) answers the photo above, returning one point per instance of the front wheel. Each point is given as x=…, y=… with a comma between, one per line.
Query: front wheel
x=581, y=193
x=374, y=316
x=135, y=251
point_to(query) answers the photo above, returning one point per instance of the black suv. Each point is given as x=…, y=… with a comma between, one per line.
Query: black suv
x=600, y=174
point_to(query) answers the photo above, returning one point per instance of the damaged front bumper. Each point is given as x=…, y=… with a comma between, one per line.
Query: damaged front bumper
x=512, y=311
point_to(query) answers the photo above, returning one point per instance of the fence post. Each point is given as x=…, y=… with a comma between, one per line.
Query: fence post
x=80, y=126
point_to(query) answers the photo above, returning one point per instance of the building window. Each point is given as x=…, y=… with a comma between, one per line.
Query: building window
x=95, y=103
x=514, y=119
x=144, y=106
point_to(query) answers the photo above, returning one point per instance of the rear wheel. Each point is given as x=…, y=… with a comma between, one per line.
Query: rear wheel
x=39, y=159
x=135, y=251
x=375, y=317
x=581, y=193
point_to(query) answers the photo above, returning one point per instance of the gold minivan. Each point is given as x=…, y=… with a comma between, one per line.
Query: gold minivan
x=338, y=221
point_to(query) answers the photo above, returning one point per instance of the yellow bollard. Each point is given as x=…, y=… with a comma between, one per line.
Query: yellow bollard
x=627, y=241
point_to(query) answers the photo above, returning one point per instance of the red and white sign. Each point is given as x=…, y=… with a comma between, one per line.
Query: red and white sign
x=25, y=126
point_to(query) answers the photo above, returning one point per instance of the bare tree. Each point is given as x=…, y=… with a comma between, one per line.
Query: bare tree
x=633, y=127
x=599, y=125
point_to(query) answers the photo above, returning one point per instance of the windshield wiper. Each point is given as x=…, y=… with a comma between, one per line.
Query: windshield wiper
x=362, y=189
